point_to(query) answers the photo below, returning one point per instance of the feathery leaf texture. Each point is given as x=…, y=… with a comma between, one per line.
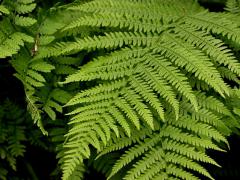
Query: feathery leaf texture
x=11, y=40
x=146, y=79
x=154, y=55
x=180, y=144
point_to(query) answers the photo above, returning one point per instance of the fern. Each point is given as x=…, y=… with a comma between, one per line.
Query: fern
x=145, y=68
x=12, y=136
x=3, y=10
x=233, y=6
x=148, y=80
x=10, y=39
x=175, y=143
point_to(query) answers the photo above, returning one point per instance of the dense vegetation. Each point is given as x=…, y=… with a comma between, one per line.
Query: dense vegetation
x=123, y=89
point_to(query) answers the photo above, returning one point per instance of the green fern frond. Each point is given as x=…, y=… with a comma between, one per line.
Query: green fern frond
x=194, y=61
x=233, y=6
x=12, y=135
x=12, y=45
x=109, y=41
x=24, y=8
x=149, y=63
x=41, y=66
x=215, y=23
x=167, y=148
x=129, y=64
x=34, y=111
x=144, y=90
x=211, y=46
x=78, y=173
x=172, y=75
x=24, y=21
x=124, y=141
x=11, y=40
x=3, y=10
x=156, y=82
x=123, y=105
x=167, y=10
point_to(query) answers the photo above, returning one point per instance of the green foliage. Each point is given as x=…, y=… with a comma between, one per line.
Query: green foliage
x=12, y=136
x=148, y=86
x=233, y=6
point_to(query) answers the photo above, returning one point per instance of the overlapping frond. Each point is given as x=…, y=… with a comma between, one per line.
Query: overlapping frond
x=149, y=56
x=134, y=67
x=12, y=135
x=172, y=151
x=11, y=40
x=233, y=6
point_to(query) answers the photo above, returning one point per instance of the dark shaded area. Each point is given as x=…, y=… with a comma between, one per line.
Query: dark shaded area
x=37, y=164
x=92, y=174
x=213, y=5
x=11, y=88
x=42, y=161
x=228, y=160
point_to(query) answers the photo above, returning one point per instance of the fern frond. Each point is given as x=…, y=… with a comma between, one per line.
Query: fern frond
x=210, y=45
x=24, y=21
x=212, y=103
x=149, y=10
x=172, y=75
x=12, y=45
x=78, y=172
x=109, y=41
x=132, y=153
x=144, y=90
x=194, y=61
x=23, y=8
x=147, y=58
x=122, y=104
x=15, y=147
x=135, y=100
x=41, y=66
x=106, y=87
x=34, y=111
x=111, y=20
x=213, y=22
x=171, y=147
x=124, y=141
x=233, y=6
x=3, y=10
x=155, y=81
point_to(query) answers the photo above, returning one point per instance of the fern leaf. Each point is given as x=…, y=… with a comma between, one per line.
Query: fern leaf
x=147, y=58
x=131, y=154
x=128, y=110
x=215, y=23
x=178, y=172
x=24, y=21
x=195, y=62
x=3, y=10
x=114, y=21
x=35, y=112
x=25, y=7
x=12, y=45
x=41, y=66
x=174, y=77
x=121, y=120
x=145, y=91
x=233, y=6
x=210, y=45
x=109, y=41
x=160, y=85
x=141, y=108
